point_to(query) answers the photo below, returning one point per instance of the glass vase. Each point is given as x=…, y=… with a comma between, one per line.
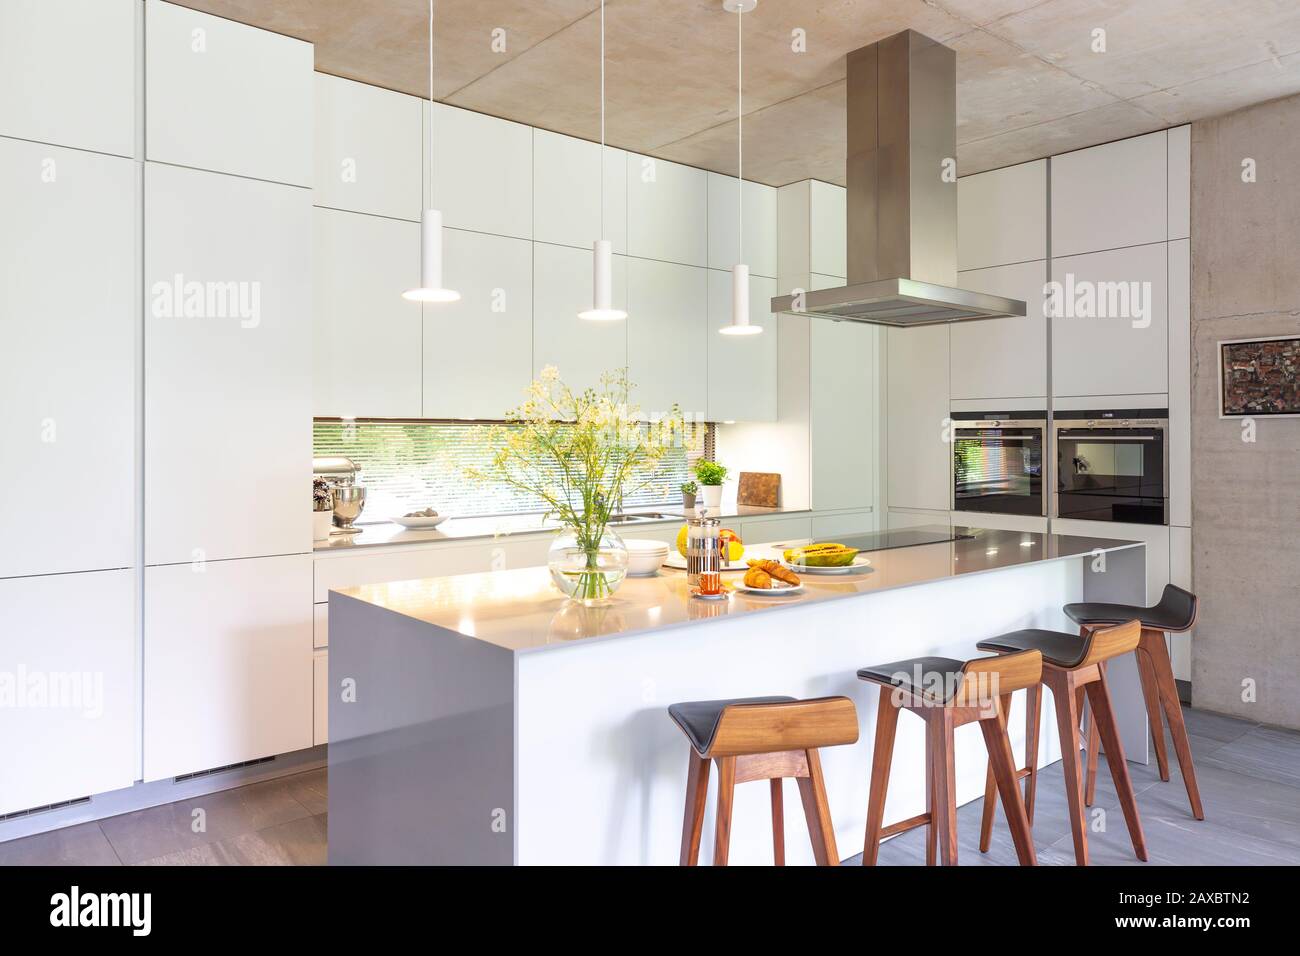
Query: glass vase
x=586, y=571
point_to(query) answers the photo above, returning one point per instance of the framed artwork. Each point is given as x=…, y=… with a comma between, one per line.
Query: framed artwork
x=1260, y=378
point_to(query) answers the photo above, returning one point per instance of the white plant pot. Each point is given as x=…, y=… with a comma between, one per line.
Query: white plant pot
x=712, y=495
x=321, y=524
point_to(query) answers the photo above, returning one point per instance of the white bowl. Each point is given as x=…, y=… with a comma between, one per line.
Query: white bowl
x=418, y=522
x=644, y=556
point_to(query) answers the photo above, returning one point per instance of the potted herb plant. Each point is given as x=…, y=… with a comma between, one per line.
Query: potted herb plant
x=322, y=509
x=711, y=475
x=689, y=489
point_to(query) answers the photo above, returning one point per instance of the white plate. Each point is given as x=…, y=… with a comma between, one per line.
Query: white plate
x=419, y=522
x=675, y=560
x=860, y=565
x=780, y=589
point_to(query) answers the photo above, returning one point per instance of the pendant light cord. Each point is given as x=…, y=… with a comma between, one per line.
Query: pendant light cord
x=740, y=125
x=429, y=164
x=601, y=158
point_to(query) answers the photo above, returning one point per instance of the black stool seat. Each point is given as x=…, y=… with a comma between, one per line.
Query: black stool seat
x=906, y=675
x=699, y=718
x=1057, y=647
x=1175, y=612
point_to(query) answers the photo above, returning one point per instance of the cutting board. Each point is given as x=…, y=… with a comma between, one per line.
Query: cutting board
x=760, y=489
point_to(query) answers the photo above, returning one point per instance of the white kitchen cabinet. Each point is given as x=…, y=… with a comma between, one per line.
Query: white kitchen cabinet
x=320, y=626
x=742, y=368
x=667, y=211
x=581, y=349
x=228, y=377
x=368, y=149
x=830, y=527
x=919, y=456
x=482, y=172
x=827, y=235
x=842, y=380
x=478, y=352
x=227, y=663
x=903, y=518
x=69, y=322
x=667, y=329
x=1003, y=358
x=1180, y=182
x=69, y=650
x=1110, y=196
x=760, y=240
x=366, y=338
x=1002, y=217
x=1180, y=383
x=1116, y=341
x=227, y=97
x=811, y=235
x=778, y=529
x=320, y=664
x=567, y=192
x=67, y=72
x=1156, y=538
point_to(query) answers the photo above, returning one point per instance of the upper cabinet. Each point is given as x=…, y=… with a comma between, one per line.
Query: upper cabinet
x=482, y=172
x=667, y=205
x=568, y=190
x=1180, y=182
x=1003, y=358
x=827, y=248
x=742, y=368
x=369, y=152
x=366, y=338
x=69, y=316
x=724, y=225
x=478, y=352
x=580, y=349
x=1111, y=196
x=1002, y=216
x=67, y=73
x=227, y=97
x=811, y=235
x=667, y=329
x=227, y=387
x=919, y=456
x=842, y=401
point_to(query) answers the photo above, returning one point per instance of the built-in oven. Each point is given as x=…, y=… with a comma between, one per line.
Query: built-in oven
x=997, y=462
x=1112, y=465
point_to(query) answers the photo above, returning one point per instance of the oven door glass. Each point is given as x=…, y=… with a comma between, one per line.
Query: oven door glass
x=998, y=470
x=1112, y=474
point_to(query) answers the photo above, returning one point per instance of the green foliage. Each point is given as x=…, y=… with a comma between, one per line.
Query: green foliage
x=710, y=472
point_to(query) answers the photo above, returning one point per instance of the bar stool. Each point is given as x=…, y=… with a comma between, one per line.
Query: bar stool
x=761, y=738
x=966, y=691
x=1072, y=669
x=1175, y=614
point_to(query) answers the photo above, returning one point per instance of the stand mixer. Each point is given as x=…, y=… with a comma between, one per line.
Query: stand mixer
x=349, y=498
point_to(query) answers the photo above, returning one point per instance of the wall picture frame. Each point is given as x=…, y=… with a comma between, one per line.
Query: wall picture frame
x=1259, y=377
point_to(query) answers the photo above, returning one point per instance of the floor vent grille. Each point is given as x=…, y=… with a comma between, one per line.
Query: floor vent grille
x=46, y=808
x=230, y=766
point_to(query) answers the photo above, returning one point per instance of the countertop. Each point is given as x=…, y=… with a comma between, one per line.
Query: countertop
x=386, y=533
x=521, y=610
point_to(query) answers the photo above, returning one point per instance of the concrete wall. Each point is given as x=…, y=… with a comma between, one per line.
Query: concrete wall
x=1246, y=495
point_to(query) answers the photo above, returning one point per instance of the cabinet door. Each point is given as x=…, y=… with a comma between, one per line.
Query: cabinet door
x=582, y=350
x=320, y=698
x=1112, y=337
x=223, y=96
x=920, y=465
x=667, y=349
x=567, y=192
x=1002, y=216
x=742, y=368
x=843, y=386
x=1110, y=196
x=1003, y=358
x=227, y=663
x=482, y=172
x=827, y=230
x=830, y=527
x=67, y=73
x=478, y=352
x=228, y=376
x=369, y=149
x=760, y=239
x=68, y=323
x=69, y=647
x=365, y=336
x=667, y=211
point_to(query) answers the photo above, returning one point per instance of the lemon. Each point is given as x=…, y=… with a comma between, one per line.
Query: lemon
x=681, y=540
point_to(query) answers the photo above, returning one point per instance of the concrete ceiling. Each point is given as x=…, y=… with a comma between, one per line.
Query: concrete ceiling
x=1028, y=81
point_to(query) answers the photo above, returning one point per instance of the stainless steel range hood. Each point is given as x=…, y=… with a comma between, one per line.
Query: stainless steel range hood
x=902, y=194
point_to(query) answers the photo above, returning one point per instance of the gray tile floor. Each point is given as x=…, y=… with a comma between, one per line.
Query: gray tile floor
x=1249, y=776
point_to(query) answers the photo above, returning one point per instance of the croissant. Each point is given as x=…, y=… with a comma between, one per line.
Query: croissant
x=757, y=578
x=776, y=570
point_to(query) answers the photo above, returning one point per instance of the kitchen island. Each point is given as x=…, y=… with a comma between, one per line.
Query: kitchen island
x=482, y=718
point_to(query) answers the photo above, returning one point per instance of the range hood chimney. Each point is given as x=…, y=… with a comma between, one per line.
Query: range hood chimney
x=902, y=194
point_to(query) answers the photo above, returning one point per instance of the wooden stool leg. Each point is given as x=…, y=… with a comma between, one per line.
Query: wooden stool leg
x=1003, y=765
x=882, y=757
x=939, y=726
x=813, y=791
x=990, y=792
x=1033, y=720
x=1158, y=654
x=726, y=791
x=1099, y=697
x=1067, y=722
x=697, y=788
x=931, y=801
x=778, y=823
x=1151, y=696
x=1093, y=742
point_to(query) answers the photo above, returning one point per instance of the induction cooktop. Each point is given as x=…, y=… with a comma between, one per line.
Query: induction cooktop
x=901, y=538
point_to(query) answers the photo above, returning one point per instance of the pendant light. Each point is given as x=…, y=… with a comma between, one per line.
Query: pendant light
x=740, y=324
x=602, y=252
x=431, y=288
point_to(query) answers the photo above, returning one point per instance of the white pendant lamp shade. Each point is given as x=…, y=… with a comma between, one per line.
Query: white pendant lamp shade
x=740, y=304
x=740, y=324
x=602, y=309
x=430, y=289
